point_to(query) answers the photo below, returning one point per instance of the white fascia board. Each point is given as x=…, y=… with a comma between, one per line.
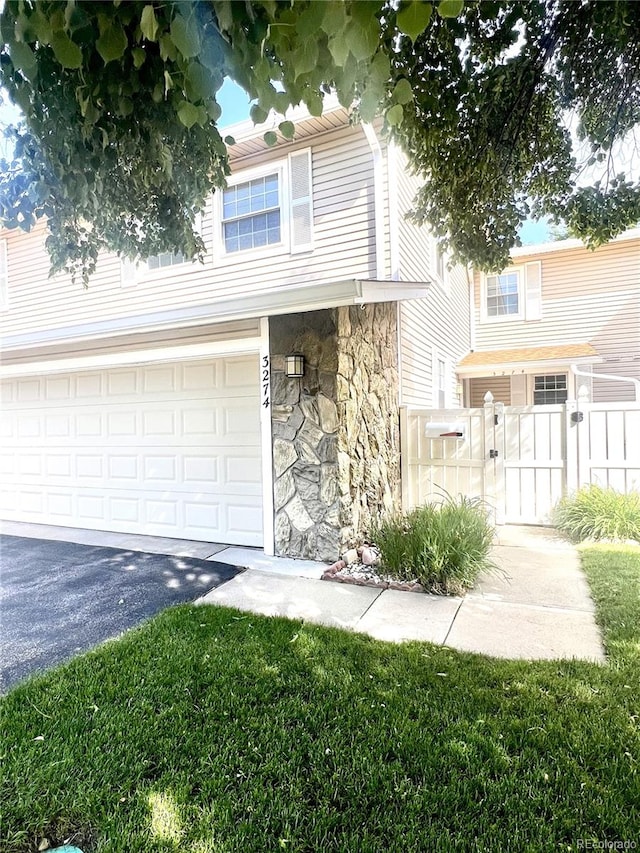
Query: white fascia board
x=271, y=302
x=524, y=366
x=243, y=131
x=190, y=352
x=534, y=249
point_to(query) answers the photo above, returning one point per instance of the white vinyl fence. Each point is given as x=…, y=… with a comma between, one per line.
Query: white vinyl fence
x=520, y=459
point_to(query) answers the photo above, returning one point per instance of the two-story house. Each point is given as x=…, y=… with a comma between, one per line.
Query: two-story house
x=557, y=306
x=166, y=398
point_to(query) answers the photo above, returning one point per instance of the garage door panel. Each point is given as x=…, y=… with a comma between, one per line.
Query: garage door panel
x=166, y=449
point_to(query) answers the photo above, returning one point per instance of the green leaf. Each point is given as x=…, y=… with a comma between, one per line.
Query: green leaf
x=23, y=59
x=305, y=57
x=125, y=106
x=198, y=83
x=362, y=37
x=149, y=23
x=185, y=35
x=270, y=138
x=229, y=140
x=257, y=114
x=334, y=18
x=414, y=18
x=138, y=54
x=402, y=93
x=310, y=21
x=167, y=48
x=65, y=51
x=339, y=48
x=395, y=115
x=314, y=102
x=188, y=114
x=112, y=43
x=450, y=8
x=287, y=129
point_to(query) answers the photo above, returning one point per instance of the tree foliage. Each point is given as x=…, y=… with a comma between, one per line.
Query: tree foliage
x=121, y=148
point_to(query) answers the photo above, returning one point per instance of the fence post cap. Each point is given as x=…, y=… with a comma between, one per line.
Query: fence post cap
x=488, y=397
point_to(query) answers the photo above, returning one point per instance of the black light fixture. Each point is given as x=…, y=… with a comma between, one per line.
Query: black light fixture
x=294, y=365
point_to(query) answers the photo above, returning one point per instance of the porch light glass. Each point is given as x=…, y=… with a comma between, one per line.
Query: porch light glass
x=294, y=365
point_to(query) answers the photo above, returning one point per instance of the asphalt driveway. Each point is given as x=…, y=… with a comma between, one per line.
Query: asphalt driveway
x=58, y=599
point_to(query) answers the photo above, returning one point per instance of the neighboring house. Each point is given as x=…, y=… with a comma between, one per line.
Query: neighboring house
x=157, y=401
x=558, y=305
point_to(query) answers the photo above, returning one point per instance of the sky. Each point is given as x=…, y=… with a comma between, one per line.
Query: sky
x=234, y=102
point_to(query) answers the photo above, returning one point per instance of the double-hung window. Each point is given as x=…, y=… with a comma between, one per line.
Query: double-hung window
x=550, y=388
x=513, y=294
x=503, y=294
x=166, y=259
x=251, y=214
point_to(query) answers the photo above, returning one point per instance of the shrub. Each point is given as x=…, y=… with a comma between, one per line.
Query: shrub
x=444, y=546
x=596, y=513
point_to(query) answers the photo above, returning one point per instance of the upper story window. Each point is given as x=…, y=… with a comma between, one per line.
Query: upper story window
x=4, y=276
x=513, y=294
x=503, y=294
x=251, y=214
x=265, y=209
x=166, y=259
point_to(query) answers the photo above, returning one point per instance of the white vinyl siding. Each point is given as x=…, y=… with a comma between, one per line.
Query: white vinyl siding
x=586, y=297
x=4, y=276
x=343, y=248
x=417, y=256
x=432, y=329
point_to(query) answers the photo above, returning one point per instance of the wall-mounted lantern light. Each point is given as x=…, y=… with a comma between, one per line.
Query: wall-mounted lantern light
x=294, y=365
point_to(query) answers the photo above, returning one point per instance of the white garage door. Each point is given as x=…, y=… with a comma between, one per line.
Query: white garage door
x=162, y=449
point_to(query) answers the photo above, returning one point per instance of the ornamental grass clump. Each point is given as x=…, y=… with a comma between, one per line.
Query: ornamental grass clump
x=443, y=546
x=596, y=513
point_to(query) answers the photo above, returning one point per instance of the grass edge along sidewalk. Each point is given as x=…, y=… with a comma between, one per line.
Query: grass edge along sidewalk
x=209, y=730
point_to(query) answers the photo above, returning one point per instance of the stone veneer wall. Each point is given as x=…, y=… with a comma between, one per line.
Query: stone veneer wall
x=368, y=416
x=336, y=447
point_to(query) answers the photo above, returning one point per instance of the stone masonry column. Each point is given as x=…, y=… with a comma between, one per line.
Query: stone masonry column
x=368, y=416
x=336, y=444
x=304, y=428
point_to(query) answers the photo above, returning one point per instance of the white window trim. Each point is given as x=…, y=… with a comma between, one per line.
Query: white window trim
x=503, y=318
x=279, y=167
x=436, y=357
x=4, y=276
x=531, y=384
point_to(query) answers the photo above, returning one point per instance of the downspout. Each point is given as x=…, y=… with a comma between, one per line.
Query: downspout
x=636, y=382
x=378, y=198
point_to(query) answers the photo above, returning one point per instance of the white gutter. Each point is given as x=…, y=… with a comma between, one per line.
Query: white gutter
x=378, y=198
x=636, y=382
x=472, y=307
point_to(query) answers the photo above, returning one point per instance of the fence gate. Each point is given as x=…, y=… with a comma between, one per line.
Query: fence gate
x=520, y=459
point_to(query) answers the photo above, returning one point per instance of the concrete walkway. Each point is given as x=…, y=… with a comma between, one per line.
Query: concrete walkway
x=538, y=605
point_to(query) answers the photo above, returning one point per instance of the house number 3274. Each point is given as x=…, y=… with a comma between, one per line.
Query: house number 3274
x=265, y=369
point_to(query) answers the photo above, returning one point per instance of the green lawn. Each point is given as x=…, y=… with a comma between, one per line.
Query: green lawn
x=208, y=731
